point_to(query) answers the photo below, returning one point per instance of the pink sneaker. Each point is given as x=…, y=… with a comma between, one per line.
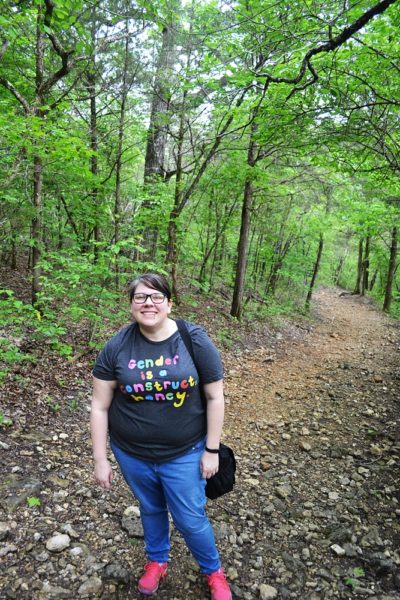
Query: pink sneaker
x=219, y=587
x=149, y=581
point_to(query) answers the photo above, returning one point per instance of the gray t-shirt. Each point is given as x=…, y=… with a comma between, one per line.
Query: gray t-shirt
x=157, y=413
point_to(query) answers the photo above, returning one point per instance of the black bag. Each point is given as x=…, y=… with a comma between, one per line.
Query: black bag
x=224, y=480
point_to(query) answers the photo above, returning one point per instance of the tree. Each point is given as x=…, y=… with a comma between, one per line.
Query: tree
x=53, y=61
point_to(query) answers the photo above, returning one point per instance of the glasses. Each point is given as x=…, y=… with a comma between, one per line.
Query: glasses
x=156, y=298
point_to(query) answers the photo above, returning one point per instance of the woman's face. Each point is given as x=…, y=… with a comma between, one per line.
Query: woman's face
x=149, y=314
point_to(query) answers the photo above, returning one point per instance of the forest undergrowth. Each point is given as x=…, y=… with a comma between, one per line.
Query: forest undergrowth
x=312, y=411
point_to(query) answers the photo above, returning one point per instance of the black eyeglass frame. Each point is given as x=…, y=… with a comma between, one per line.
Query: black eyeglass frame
x=149, y=296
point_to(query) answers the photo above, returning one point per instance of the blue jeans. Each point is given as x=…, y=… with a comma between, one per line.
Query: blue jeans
x=176, y=486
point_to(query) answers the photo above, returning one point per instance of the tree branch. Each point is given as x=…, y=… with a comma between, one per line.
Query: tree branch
x=332, y=44
x=59, y=49
x=11, y=88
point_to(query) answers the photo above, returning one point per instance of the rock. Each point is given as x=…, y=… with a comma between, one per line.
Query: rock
x=8, y=549
x=20, y=490
x=68, y=529
x=372, y=538
x=60, y=495
x=340, y=535
x=223, y=531
x=58, y=542
x=34, y=436
x=133, y=526
x=293, y=564
x=4, y=530
x=232, y=573
x=42, y=556
x=49, y=591
x=338, y=550
x=93, y=585
x=350, y=550
x=305, y=553
x=132, y=511
x=58, y=481
x=396, y=579
x=284, y=491
x=305, y=446
x=279, y=505
x=267, y=592
x=116, y=572
x=251, y=481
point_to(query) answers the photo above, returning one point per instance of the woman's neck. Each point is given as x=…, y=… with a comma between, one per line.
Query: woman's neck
x=161, y=333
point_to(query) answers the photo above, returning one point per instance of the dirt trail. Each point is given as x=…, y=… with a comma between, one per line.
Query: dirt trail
x=320, y=445
x=347, y=333
x=313, y=419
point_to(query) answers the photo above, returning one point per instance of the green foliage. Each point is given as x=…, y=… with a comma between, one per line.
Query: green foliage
x=78, y=288
x=353, y=580
x=17, y=318
x=54, y=406
x=133, y=541
x=325, y=159
x=5, y=421
x=33, y=501
x=226, y=337
x=73, y=405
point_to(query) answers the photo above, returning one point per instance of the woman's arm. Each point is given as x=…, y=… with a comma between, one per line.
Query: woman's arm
x=214, y=393
x=103, y=392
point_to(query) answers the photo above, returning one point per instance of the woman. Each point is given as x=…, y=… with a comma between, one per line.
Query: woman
x=146, y=396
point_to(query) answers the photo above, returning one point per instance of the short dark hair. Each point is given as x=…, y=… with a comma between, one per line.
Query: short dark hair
x=156, y=281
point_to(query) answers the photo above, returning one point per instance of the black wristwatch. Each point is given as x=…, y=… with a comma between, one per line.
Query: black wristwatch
x=212, y=450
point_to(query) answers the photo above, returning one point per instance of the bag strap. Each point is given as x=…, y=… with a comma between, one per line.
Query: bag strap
x=186, y=337
x=187, y=340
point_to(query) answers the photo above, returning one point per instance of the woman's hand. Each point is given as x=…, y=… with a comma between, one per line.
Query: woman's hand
x=103, y=473
x=209, y=464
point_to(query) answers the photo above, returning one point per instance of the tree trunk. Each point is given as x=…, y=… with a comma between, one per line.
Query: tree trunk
x=241, y=261
x=257, y=261
x=391, y=271
x=315, y=272
x=280, y=251
x=208, y=249
x=118, y=163
x=91, y=85
x=273, y=277
x=172, y=251
x=365, y=276
x=357, y=289
x=37, y=225
x=373, y=280
x=13, y=263
x=157, y=132
x=242, y=249
x=154, y=167
x=36, y=228
x=338, y=270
